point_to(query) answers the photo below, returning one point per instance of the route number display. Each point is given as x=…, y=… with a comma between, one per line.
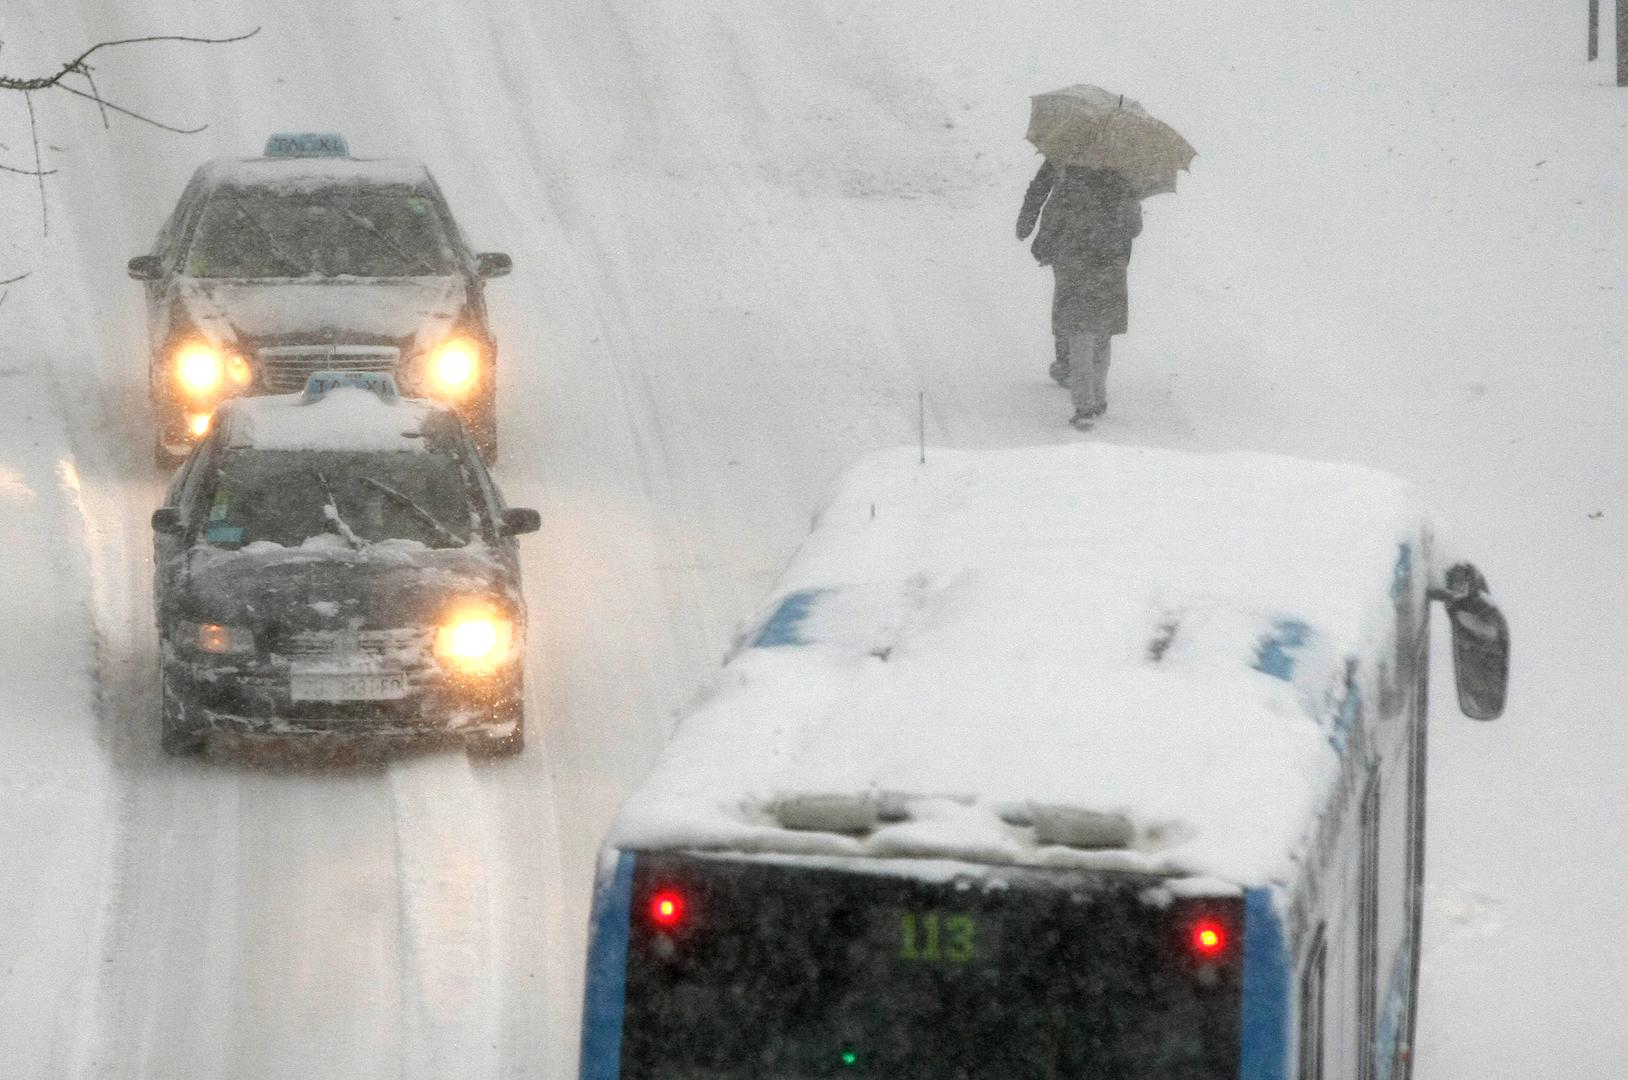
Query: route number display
x=937, y=937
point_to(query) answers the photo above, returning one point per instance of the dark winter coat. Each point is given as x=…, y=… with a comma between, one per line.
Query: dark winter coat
x=1088, y=218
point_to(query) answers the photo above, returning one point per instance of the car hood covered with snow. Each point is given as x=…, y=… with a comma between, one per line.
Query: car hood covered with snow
x=324, y=584
x=407, y=312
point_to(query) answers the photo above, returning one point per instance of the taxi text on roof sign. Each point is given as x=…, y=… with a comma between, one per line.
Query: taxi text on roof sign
x=381, y=383
x=286, y=144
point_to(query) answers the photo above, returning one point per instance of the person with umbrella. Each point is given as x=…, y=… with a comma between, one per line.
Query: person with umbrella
x=1103, y=156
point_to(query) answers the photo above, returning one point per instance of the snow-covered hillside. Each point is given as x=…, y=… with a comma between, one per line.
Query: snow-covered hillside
x=747, y=236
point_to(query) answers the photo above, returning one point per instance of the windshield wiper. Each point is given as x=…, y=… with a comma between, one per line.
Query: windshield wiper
x=278, y=252
x=418, y=511
x=330, y=513
x=389, y=241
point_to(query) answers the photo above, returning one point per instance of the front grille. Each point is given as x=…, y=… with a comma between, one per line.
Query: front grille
x=284, y=368
x=404, y=645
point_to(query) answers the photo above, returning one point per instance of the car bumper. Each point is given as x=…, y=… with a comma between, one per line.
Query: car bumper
x=260, y=706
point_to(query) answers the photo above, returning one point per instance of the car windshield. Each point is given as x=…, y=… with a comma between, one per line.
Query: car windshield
x=289, y=496
x=319, y=234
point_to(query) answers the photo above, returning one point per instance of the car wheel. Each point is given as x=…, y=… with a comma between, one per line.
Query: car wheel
x=163, y=458
x=177, y=737
x=499, y=746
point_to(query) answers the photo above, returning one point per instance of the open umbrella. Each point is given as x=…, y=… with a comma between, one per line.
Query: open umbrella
x=1088, y=126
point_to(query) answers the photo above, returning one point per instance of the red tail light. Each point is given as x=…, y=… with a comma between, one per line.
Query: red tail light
x=667, y=909
x=1208, y=939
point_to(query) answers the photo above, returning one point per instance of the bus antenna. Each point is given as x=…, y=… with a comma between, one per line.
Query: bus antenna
x=921, y=425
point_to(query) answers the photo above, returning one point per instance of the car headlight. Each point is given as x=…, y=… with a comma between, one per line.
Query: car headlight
x=475, y=641
x=454, y=366
x=217, y=639
x=201, y=369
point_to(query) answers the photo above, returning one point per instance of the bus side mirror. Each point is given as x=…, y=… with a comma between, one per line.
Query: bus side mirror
x=145, y=268
x=167, y=521
x=491, y=264
x=1480, y=643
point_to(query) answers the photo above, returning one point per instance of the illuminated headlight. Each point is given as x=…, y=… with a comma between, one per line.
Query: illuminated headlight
x=475, y=641
x=201, y=369
x=217, y=639
x=454, y=366
x=198, y=424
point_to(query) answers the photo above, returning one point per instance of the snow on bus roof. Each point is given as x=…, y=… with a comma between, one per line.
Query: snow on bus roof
x=345, y=418
x=314, y=173
x=1075, y=655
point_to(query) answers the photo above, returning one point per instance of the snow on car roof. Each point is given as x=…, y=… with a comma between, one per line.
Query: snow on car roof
x=346, y=418
x=312, y=173
x=1076, y=655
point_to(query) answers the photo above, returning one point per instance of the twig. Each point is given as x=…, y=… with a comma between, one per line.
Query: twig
x=34, y=133
x=26, y=172
x=76, y=65
x=104, y=103
x=15, y=280
x=97, y=94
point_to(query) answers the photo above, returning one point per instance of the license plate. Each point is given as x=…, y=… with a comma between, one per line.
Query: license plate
x=347, y=686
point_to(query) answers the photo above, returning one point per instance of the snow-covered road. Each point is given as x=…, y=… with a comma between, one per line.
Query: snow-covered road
x=746, y=237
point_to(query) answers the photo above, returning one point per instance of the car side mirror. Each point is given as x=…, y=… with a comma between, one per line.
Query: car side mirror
x=167, y=521
x=518, y=520
x=491, y=264
x=1480, y=644
x=145, y=268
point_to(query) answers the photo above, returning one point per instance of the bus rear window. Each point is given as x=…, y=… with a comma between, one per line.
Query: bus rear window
x=742, y=969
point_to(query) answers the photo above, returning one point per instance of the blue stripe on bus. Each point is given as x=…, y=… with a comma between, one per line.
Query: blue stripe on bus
x=1274, y=652
x=1346, y=715
x=605, y=997
x=1263, y=1036
x=785, y=626
x=1389, y=1028
x=1402, y=575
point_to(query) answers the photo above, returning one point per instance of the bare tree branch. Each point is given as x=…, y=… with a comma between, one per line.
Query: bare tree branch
x=34, y=133
x=77, y=64
x=105, y=104
x=97, y=94
x=4, y=292
x=25, y=172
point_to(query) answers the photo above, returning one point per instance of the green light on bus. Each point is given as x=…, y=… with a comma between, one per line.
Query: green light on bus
x=849, y=1058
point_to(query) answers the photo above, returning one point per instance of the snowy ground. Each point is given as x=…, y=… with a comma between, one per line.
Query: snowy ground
x=746, y=237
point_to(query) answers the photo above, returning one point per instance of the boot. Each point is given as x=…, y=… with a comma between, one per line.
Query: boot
x=1059, y=366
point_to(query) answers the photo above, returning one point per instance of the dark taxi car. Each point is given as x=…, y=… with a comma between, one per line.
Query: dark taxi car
x=339, y=564
x=307, y=259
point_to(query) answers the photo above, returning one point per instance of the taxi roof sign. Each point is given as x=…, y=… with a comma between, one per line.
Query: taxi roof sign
x=304, y=144
x=381, y=383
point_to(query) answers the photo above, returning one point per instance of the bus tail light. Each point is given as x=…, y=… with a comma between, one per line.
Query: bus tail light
x=1208, y=939
x=667, y=909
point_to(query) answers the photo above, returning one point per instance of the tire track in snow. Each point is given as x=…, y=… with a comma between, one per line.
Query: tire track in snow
x=451, y=989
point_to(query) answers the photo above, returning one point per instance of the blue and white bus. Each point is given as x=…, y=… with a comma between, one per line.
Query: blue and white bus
x=1072, y=762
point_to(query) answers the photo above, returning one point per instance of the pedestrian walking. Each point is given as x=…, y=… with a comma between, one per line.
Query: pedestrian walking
x=1104, y=155
x=1088, y=219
